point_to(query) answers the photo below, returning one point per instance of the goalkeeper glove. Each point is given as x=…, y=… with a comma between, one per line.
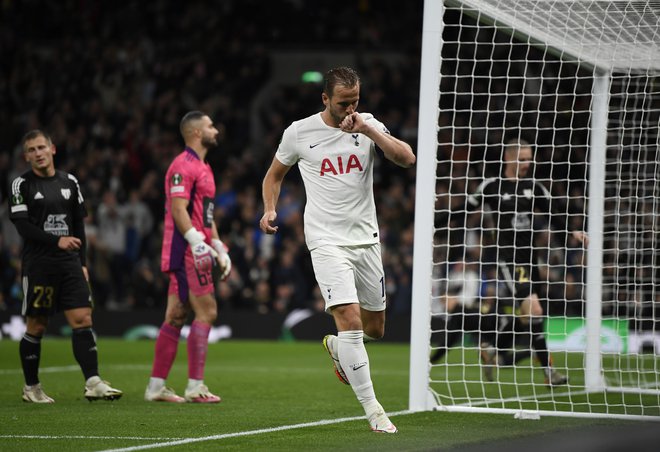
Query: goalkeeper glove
x=223, y=258
x=203, y=254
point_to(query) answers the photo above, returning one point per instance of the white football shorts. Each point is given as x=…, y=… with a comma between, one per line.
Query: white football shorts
x=350, y=274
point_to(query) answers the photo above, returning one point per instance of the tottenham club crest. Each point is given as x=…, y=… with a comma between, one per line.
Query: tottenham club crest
x=177, y=179
x=66, y=193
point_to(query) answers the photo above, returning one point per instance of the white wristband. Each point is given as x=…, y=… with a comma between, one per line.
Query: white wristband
x=193, y=236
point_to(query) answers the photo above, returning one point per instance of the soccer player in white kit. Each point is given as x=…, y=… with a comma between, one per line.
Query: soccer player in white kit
x=335, y=152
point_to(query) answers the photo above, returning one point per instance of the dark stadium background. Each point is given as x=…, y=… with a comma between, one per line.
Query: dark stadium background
x=110, y=81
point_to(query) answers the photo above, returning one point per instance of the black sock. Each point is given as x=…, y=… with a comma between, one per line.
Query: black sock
x=450, y=335
x=539, y=344
x=30, y=351
x=514, y=356
x=84, y=350
x=505, y=339
x=488, y=330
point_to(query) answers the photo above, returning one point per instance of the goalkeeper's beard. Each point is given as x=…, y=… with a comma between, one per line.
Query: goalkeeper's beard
x=209, y=142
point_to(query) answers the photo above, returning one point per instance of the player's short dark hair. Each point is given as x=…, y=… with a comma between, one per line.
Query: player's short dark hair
x=194, y=115
x=344, y=76
x=515, y=144
x=35, y=133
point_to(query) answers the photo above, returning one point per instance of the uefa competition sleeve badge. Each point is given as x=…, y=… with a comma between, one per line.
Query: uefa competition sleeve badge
x=17, y=199
x=177, y=180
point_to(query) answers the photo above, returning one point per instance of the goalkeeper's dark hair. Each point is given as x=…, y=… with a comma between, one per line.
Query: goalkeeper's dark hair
x=189, y=117
x=36, y=133
x=344, y=76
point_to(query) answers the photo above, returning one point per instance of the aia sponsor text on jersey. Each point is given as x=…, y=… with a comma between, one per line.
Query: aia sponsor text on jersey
x=340, y=165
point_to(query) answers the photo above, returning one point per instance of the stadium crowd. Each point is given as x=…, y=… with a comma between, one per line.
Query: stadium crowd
x=111, y=82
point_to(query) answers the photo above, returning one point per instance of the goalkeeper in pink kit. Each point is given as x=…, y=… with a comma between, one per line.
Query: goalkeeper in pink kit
x=191, y=248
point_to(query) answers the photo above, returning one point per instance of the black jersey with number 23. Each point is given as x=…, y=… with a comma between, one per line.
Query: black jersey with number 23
x=53, y=204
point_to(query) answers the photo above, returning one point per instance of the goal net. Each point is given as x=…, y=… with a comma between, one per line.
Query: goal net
x=545, y=124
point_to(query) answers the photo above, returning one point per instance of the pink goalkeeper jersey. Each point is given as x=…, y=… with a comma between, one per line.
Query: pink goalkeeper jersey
x=190, y=178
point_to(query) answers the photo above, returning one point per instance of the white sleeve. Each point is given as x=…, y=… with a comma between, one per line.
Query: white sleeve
x=287, y=151
x=373, y=122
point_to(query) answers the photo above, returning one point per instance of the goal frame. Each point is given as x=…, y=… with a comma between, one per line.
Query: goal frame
x=421, y=397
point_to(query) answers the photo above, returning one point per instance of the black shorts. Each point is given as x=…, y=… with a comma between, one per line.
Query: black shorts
x=517, y=279
x=49, y=290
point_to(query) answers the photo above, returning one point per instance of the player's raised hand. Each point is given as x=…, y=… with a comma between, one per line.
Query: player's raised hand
x=266, y=222
x=353, y=123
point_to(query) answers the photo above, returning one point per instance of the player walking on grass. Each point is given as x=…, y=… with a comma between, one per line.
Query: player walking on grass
x=335, y=152
x=191, y=247
x=47, y=208
x=513, y=200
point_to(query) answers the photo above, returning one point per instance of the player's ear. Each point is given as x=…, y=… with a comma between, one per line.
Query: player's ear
x=325, y=99
x=52, y=146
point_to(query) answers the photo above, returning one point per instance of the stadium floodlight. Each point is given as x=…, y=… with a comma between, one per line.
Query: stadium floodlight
x=580, y=81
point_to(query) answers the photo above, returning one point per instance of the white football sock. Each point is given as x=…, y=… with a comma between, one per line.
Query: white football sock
x=366, y=338
x=355, y=362
x=193, y=384
x=155, y=384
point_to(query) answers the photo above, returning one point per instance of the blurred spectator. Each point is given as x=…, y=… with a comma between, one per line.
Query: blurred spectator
x=139, y=225
x=111, y=245
x=120, y=86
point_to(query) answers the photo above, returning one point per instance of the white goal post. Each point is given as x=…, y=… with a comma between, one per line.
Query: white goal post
x=580, y=81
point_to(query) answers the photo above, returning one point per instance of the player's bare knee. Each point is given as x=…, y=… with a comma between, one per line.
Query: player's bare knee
x=373, y=334
x=537, y=311
x=35, y=327
x=80, y=323
x=175, y=319
x=347, y=317
x=374, y=331
x=79, y=317
x=208, y=316
x=374, y=324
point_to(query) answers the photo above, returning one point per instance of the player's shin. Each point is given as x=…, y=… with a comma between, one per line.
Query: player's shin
x=84, y=350
x=355, y=362
x=538, y=342
x=30, y=352
x=165, y=351
x=198, y=340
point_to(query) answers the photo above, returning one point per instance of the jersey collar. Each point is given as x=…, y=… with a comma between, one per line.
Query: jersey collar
x=190, y=150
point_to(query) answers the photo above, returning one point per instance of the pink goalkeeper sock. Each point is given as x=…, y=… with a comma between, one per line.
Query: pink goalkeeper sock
x=198, y=342
x=166, y=347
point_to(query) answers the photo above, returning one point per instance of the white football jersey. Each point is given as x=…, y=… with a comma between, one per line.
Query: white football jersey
x=337, y=170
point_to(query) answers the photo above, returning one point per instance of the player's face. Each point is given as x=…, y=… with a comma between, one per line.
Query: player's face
x=342, y=102
x=520, y=161
x=39, y=154
x=209, y=133
x=524, y=161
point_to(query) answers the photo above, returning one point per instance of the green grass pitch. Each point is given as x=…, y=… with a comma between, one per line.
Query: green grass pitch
x=276, y=396
x=458, y=380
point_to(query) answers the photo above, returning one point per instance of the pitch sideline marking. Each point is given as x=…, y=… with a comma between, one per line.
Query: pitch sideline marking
x=74, y=368
x=137, y=438
x=248, y=433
